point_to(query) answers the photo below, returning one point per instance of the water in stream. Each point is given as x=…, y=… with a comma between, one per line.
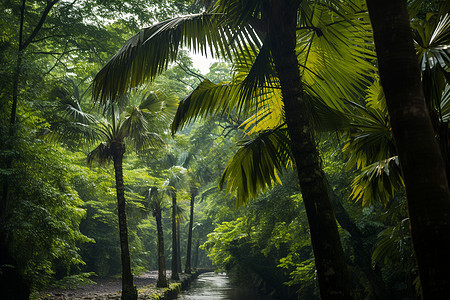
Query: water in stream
x=211, y=286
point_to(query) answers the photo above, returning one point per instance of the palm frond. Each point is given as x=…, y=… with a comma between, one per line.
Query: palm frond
x=239, y=11
x=445, y=104
x=159, y=108
x=378, y=182
x=256, y=75
x=336, y=52
x=432, y=39
x=150, y=51
x=133, y=123
x=72, y=132
x=392, y=243
x=370, y=137
x=147, y=141
x=102, y=154
x=207, y=99
x=177, y=178
x=180, y=213
x=255, y=166
x=269, y=114
x=74, y=124
x=154, y=199
x=73, y=111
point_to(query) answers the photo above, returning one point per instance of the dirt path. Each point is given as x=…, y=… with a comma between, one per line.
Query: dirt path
x=106, y=288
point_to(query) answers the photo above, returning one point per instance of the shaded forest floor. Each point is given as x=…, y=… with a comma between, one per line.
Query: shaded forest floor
x=106, y=288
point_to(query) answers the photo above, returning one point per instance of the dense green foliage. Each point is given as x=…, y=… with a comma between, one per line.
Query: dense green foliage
x=59, y=221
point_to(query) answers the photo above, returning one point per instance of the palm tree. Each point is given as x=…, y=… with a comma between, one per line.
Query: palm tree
x=420, y=158
x=134, y=126
x=269, y=29
x=155, y=198
x=172, y=184
x=187, y=269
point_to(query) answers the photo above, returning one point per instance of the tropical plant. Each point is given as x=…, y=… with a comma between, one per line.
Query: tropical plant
x=155, y=199
x=269, y=29
x=193, y=192
x=145, y=113
x=414, y=136
x=175, y=181
x=134, y=125
x=431, y=39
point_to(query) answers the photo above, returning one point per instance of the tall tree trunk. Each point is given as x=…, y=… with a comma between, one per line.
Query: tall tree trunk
x=187, y=269
x=197, y=246
x=362, y=255
x=332, y=273
x=129, y=291
x=174, y=275
x=12, y=282
x=22, y=47
x=178, y=246
x=423, y=168
x=162, y=278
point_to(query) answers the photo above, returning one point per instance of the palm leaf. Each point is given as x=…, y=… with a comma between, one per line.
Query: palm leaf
x=159, y=108
x=150, y=51
x=445, y=104
x=392, y=243
x=65, y=130
x=177, y=178
x=432, y=37
x=370, y=137
x=147, y=141
x=255, y=71
x=336, y=52
x=153, y=199
x=75, y=124
x=135, y=127
x=102, y=154
x=207, y=99
x=255, y=166
x=73, y=111
x=378, y=182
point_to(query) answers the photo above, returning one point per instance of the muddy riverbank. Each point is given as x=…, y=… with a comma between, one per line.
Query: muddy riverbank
x=110, y=288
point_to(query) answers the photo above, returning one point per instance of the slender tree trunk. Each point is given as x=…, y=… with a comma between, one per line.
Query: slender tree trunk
x=129, y=291
x=178, y=246
x=197, y=246
x=162, y=278
x=421, y=162
x=175, y=275
x=332, y=273
x=12, y=282
x=362, y=256
x=22, y=46
x=189, y=243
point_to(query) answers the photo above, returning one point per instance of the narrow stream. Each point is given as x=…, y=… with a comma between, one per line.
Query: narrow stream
x=212, y=286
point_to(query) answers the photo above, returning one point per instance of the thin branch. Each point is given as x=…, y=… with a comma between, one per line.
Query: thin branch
x=46, y=11
x=190, y=72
